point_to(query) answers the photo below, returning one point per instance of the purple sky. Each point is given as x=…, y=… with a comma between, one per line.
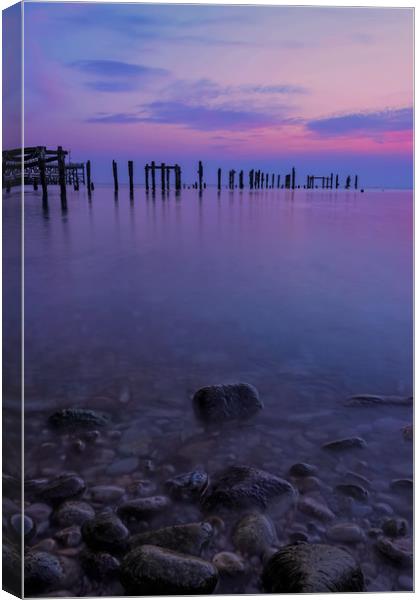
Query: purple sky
x=323, y=89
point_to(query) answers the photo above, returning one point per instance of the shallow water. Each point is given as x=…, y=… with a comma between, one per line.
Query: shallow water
x=131, y=306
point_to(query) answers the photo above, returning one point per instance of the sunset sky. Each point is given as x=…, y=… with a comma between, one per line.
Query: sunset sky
x=323, y=89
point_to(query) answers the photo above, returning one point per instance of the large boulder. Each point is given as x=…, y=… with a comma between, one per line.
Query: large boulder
x=188, y=539
x=216, y=404
x=105, y=532
x=247, y=487
x=312, y=568
x=150, y=570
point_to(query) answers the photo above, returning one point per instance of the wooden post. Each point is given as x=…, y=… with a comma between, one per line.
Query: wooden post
x=278, y=181
x=348, y=182
x=35, y=182
x=287, y=182
x=177, y=177
x=115, y=174
x=130, y=176
x=162, y=176
x=168, y=174
x=146, y=177
x=241, y=180
x=356, y=182
x=200, y=175
x=336, y=181
x=89, y=184
x=251, y=179
x=219, y=179
x=272, y=180
x=61, y=173
x=293, y=178
x=153, y=176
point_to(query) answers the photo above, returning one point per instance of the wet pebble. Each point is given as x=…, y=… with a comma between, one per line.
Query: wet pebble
x=42, y=571
x=229, y=564
x=187, y=486
x=70, y=537
x=247, y=487
x=106, y=494
x=141, y=508
x=402, y=485
x=310, y=568
x=349, y=443
x=399, y=551
x=105, y=532
x=150, y=570
x=357, y=492
x=29, y=529
x=348, y=533
x=217, y=404
x=315, y=509
x=62, y=488
x=395, y=527
x=73, y=512
x=188, y=539
x=302, y=470
x=254, y=533
x=405, y=583
x=74, y=418
x=99, y=565
x=124, y=465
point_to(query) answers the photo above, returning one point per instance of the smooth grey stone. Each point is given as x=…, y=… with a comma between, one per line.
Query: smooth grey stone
x=349, y=443
x=188, y=539
x=229, y=564
x=105, y=532
x=73, y=512
x=123, y=466
x=74, y=418
x=254, y=533
x=150, y=570
x=70, y=537
x=217, y=404
x=29, y=529
x=42, y=571
x=378, y=400
x=312, y=568
x=106, y=494
x=402, y=485
x=247, y=487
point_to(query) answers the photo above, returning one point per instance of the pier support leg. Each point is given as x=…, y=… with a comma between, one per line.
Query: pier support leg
x=115, y=174
x=130, y=177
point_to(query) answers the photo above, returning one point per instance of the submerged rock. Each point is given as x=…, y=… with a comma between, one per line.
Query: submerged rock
x=395, y=527
x=401, y=485
x=150, y=570
x=378, y=400
x=73, y=418
x=187, y=486
x=312, y=568
x=254, y=534
x=217, y=404
x=105, y=532
x=42, y=571
x=62, y=488
x=188, y=539
x=106, y=494
x=245, y=487
x=345, y=444
x=73, y=512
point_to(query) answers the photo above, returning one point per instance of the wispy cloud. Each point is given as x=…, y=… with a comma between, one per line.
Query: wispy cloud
x=116, y=68
x=381, y=121
x=200, y=118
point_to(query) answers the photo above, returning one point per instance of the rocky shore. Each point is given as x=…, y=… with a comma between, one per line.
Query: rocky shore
x=188, y=514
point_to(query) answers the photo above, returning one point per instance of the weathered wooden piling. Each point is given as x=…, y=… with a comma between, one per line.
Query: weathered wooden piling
x=177, y=177
x=200, y=174
x=115, y=175
x=89, y=183
x=272, y=180
x=168, y=178
x=146, y=177
x=162, y=176
x=153, y=169
x=219, y=179
x=130, y=176
x=336, y=181
x=241, y=180
x=356, y=182
x=293, y=178
x=348, y=182
x=61, y=173
x=278, y=181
